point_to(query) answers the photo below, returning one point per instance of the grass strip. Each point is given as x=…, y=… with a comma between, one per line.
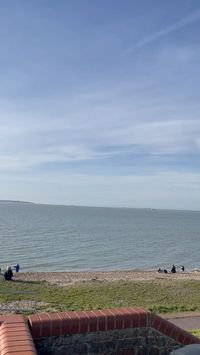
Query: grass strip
x=195, y=332
x=160, y=296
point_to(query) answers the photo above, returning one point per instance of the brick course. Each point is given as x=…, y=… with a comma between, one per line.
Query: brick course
x=15, y=337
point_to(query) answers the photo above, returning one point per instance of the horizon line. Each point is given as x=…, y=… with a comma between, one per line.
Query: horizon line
x=92, y=206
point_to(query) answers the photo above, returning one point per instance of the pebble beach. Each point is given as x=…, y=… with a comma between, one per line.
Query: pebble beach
x=69, y=278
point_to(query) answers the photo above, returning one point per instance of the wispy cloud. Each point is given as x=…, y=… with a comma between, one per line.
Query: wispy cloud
x=62, y=146
x=161, y=137
x=98, y=124
x=186, y=21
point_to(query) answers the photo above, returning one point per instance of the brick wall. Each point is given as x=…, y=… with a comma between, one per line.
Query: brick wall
x=113, y=331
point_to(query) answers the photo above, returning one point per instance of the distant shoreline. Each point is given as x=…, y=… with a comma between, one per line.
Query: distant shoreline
x=151, y=209
x=70, y=278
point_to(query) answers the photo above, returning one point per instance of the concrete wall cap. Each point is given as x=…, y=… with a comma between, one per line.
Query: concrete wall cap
x=192, y=349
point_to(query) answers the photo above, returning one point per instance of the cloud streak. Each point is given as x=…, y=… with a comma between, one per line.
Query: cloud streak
x=172, y=137
x=186, y=21
x=98, y=125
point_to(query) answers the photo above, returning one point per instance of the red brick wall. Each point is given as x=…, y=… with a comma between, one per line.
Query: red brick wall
x=62, y=323
x=109, y=326
x=133, y=325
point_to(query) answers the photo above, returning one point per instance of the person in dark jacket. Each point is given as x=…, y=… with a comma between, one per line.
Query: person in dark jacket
x=17, y=267
x=8, y=274
x=173, y=269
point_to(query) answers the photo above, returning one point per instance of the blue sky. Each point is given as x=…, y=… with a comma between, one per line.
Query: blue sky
x=100, y=102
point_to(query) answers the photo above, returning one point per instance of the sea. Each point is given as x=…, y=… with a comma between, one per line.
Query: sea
x=71, y=238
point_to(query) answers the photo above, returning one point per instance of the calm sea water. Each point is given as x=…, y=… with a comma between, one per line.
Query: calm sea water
x=62, y=238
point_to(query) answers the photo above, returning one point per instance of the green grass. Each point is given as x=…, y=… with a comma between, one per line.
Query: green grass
x=196, y=332
x=160, y=296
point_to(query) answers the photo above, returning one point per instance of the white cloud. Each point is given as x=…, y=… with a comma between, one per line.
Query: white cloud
x=107, y=119
x=107, y=129
x=167, y=137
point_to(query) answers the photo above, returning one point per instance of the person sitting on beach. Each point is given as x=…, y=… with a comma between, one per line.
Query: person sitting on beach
x=173, y=269
x=160, y=270
x=8, y=274
x=182, y=268
x=17, y=267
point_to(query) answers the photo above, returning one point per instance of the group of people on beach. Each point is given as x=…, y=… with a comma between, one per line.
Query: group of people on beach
x=8, y=274
x=173, y=269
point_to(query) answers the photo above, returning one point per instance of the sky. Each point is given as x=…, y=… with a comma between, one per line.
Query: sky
x=100, y=102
